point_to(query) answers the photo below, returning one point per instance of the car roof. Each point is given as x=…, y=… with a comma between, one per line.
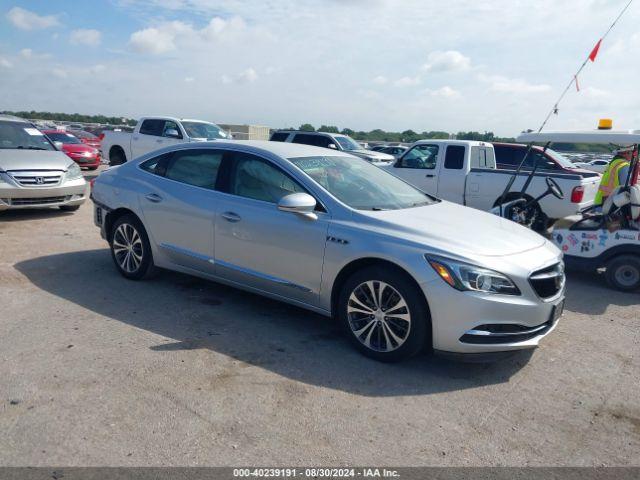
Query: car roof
x=452, y=142
x=311, y=133
x=616, y=137
x=517, y=145
x=12, y=118
x=282, y=149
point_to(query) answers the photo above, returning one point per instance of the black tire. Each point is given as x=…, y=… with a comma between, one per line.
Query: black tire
x=69, y=208
x=623, y=272
x=116, y=157
x=382, y=345
x=137, y=269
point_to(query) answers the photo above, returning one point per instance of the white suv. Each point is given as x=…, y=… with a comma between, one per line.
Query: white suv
x=335, y=141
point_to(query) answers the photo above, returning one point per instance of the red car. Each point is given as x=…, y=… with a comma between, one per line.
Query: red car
x=86, y=137
x=84, y=155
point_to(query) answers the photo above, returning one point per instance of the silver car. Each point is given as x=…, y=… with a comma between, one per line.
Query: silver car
x=33, y=173
x=337, y=235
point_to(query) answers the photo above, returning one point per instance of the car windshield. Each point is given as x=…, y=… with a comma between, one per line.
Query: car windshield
x=84, y=134
x=561, y=159
x=209, y=131
x=347, y=143
x=20, y=135
x=62, y=137
x=361, y=185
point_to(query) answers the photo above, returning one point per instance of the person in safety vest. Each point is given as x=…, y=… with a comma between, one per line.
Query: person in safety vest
x=614, y=175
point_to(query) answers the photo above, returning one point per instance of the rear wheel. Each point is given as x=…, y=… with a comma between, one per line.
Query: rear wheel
x=384, y=313
x=130, y=248
x=623, y=272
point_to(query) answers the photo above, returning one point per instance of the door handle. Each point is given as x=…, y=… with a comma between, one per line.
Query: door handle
x=231, y=217
x=152, y=197
x=429, y=175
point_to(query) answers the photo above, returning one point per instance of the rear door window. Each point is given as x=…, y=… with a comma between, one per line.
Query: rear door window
x=280, y=137
x=306, y=139
x=152, y=127
x=194, y=167
x=454, y=157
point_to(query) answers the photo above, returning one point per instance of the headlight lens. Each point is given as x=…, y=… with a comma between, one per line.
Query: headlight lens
x=73, y=171
x=464, y=276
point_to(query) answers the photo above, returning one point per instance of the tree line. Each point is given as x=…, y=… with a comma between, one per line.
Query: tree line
x=407, y=136
x=72, y=117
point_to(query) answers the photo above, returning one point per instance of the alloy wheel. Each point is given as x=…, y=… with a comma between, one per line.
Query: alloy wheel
x=127, y=247
x=378, y=316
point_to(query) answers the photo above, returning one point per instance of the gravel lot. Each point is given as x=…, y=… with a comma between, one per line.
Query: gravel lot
x=98, y=370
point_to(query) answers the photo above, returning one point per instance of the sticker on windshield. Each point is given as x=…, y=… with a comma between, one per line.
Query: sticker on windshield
x=34, y=132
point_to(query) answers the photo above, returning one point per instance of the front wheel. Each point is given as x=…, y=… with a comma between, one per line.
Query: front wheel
x=623, y=272
x=384, y=313
x=130, y=248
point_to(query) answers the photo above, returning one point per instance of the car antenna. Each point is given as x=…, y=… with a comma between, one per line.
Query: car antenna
x=554, y=110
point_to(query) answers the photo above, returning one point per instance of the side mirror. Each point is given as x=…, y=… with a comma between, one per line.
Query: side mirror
x=333, y=146
x=300, y=203
x=172, y=133
x=58, y=145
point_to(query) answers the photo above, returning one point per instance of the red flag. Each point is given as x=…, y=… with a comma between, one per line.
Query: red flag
x=594, y=52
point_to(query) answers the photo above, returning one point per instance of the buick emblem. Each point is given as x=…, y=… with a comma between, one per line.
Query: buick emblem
x=39, y=180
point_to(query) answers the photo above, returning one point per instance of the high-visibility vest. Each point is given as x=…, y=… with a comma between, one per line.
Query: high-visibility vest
x=610, y=179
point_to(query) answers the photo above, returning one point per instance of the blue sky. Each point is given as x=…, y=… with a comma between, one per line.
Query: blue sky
x=362, y=64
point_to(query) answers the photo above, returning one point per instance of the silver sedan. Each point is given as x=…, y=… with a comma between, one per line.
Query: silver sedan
x=332, y=233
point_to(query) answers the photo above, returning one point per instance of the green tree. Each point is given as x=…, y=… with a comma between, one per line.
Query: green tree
x=348, y=131
x=307, y=127
x=328, y=129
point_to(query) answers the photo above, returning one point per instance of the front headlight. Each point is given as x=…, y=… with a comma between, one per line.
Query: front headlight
x=464, y=276
x=73, y=171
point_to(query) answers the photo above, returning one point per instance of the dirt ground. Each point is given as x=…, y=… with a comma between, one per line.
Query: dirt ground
x=97, y=370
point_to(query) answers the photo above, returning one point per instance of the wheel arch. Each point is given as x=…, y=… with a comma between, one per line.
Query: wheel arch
x=117, y=149
x=366, y=262
x=113, y=216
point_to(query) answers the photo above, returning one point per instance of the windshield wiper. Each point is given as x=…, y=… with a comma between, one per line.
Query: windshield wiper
x=379, y=209
x=21, y=147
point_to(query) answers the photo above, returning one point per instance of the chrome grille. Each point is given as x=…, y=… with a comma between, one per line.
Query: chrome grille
x=34, y=178
x=549, y=281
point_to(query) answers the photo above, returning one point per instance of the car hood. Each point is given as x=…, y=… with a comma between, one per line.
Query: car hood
x=376, y=156
x=15, y=159
x=452, y=228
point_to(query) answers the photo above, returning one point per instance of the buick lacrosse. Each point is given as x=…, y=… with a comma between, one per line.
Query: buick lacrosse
x=401, y=270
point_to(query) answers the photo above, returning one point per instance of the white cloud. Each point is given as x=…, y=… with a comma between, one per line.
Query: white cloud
x=28, y=20
x=248, y=75
x=84, y=36
x=407, y=82
x=97, y=69
x=447, y=61
x=153, y=41
x=499, y=83
x=4, y=63
x=29, y=54
x=189, y=79
x=60, y=73
x=444, y=92
x=166, y=36
x=380, y=80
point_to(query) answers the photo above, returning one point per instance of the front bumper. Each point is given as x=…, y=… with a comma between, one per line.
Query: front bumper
x=70, y=193
x=477, y=323
x=87, y=162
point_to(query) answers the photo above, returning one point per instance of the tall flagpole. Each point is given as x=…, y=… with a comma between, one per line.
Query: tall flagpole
x=592, y=56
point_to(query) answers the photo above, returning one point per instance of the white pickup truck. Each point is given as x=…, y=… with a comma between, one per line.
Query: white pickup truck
x=465, y=172
x=153, y=133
